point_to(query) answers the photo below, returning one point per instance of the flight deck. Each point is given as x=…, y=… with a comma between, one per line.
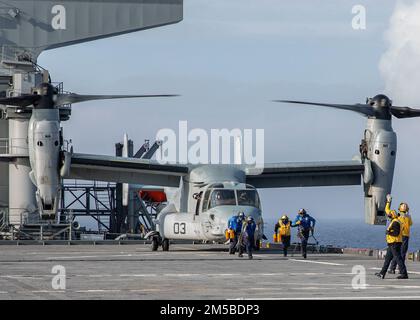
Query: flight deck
x=192, y=272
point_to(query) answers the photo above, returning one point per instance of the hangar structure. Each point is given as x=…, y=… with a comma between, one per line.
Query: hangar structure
x=28, y=27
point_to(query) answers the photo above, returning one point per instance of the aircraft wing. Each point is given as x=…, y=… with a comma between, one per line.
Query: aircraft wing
x=125, y=170
x=306, y=174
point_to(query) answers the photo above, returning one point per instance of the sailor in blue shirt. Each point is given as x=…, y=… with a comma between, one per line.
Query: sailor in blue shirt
x=235, y=226
x=247, y=240
x=305, y=224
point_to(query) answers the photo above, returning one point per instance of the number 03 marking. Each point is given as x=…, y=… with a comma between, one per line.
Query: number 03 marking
x=180, y=228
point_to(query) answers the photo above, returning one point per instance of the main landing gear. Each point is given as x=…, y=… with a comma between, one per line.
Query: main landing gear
x=157, y=241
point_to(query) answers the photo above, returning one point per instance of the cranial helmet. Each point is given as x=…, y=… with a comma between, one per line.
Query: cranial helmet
x=284, y=217
x=249, y=219
x=241, y=215
x=403, y=207
x=302, y=211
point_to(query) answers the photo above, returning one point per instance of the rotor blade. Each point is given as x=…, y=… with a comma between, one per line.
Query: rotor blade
x=364, y=109
x=21, y=101
x=405, y=112
x=76, y=98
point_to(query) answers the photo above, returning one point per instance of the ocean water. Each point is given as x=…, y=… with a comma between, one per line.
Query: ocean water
x=348, y=233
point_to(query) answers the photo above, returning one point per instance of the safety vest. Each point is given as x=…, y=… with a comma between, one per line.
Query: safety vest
x=229, y=234
x=406, y=223
x=394, y=239
x=284, y=229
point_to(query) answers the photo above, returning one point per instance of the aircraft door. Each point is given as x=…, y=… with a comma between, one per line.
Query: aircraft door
x=198, y=197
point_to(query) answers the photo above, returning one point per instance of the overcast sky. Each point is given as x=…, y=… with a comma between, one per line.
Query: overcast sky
x=228, y=60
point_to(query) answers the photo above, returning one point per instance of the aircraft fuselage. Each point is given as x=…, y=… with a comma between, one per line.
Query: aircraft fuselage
x=209, y=206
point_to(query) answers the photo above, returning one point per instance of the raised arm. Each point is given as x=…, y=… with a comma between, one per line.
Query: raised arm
x=295, y=222
x=388, y=204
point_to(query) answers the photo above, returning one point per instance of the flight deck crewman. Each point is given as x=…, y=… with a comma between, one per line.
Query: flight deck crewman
x=406, y=223
x=234, y=230
x=394, y=241
x=282, y=233
x=306, y=225
x=247, y=238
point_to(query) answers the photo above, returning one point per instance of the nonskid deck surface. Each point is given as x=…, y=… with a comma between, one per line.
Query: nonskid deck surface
x=191, y=272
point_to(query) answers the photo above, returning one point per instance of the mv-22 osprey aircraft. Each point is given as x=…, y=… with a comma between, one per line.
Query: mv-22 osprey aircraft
x=209, y=194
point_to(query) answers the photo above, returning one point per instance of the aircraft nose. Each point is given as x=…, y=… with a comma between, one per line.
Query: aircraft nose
x=220, y=221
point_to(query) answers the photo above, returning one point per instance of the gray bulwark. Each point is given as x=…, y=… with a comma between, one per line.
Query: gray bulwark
x=38, y=25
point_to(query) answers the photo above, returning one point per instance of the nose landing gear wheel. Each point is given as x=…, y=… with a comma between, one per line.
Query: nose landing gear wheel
x=155, y=244
x=165, y=245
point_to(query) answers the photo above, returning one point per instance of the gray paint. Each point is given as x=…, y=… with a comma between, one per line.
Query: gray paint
x=125, y=170
x=31, y=27
x=204, y=175
x=22, y=190
x=86, y=20
x=216, y=173
x=200, y=223
x=191, y=272
x=44, y=127
x=4, y=168
x=306, y=174
x=129, y=170
x=378, y=149
x=122, y=176
x=382, y=152
x=209, y=225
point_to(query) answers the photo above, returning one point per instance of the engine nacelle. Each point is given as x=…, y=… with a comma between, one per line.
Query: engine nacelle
x=44, y=140
x=378, y=149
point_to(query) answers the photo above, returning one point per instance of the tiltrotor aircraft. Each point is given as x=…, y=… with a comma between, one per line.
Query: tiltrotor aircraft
x=48, y=160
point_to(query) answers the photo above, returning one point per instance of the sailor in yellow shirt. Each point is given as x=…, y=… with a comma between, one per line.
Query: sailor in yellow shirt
x=394, y=241
x=406, y=223
x=282, y=233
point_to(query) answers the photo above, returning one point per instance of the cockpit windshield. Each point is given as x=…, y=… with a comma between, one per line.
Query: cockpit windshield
x=222, y=197
x=248, y=198
x=230, y=197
